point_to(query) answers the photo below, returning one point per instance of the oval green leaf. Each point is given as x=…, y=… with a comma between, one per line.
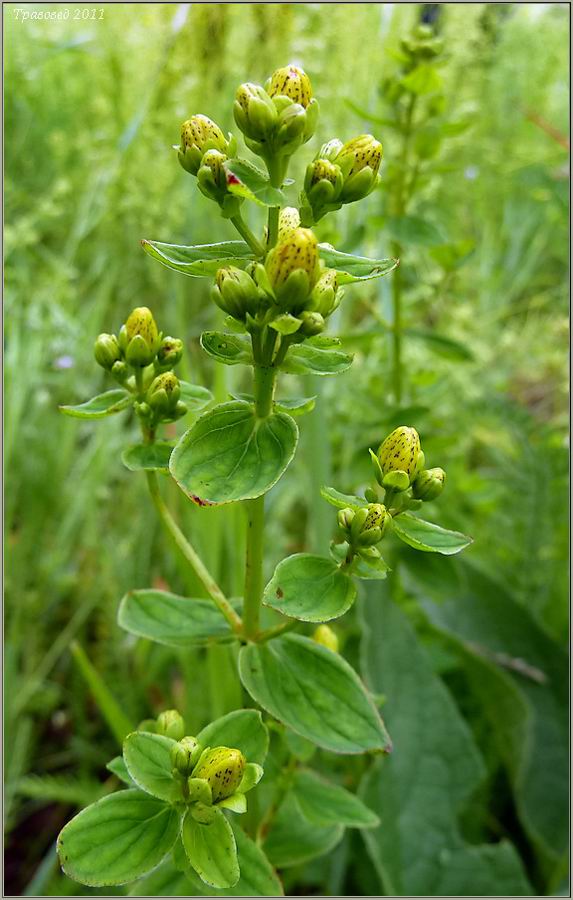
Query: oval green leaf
x=148, y=760
x=148, y=457
x=118, y=839
x=315, y=692
x=354, y=268
x=229, y=454
x=119, y=769
x=172, y=620
x=229, y=349
x=199, y=260
x=341, y=501
x=98, y=407
x=195, y=396
x=293, y=840
x=246, y=180
x=422, y=535
x=313, y=359
x=309, y=588
x=325, y=803
x=211, y=850
x=243, y=729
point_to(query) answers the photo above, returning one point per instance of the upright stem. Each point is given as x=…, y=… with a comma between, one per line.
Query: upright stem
x=247, y=235
x=273, y=226
x=191, y=556
x=264, y=386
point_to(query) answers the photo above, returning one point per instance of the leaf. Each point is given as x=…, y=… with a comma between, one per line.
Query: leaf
x=309, y=588
x=353, y=268
x=258, y=878
x=243, y=729
x=341, y=501
x=422, y=535
x=117, y=721
x=414, y=230
x=311, y=358
x=246, y=180
x=106, y=404
x=293, y=840
x=168, y=881
x=195, y=396
x=441, y=344
x=315, y=692
x=325, y=803
x=211, y=850
x=424, y=79
x=519, y=675
x=172, y=620
x=119, y=769
x=118, y=839
x=229, y=454
x=230, y=349
x=148, y=457
x=200, y=259
x=148, y=761
x=296, y=406
x=420, y=790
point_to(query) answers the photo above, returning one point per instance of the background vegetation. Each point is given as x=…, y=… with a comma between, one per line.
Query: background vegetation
x=470, y=655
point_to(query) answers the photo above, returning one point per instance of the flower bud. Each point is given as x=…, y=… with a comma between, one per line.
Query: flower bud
x=326, y=636
x=184, y=755
x=163, y=394
x=171, y=724
x=401, y=451
x=106, y=350
x=345, y=517
x=254, y=112
x=378, y=517
x=323, y=185
x=138, y=338
x=120, y=371
x=293, y=268
x=428, y=484
x=198, y=135
x=330, y=150
x=223, y=769
x=290, y=82
x=289, y=221
x=169, y=353
x=211, y=176
x=235, y=292
x=359, y=160
x=312, y=323
x=325, y=296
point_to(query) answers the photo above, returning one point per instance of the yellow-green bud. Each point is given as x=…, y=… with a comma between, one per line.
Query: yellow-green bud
x=428, y=484
x=325, y=296
x=211, y=176
x=254, y=112
x=323, y=185
x=198, y=135
x=184, y=755
x=326, y=636
x=139, y=339
x=359, y=160
x=291, y=82
x=293, y=268
x=223, y=769
x=377, y=517
x=163, y=393
x=401, y=451
x=235, y=292
x=312, y=323
x=345, y=517
x=170, y=352
x=171, y=724
x=106, y=350
x=289, y=221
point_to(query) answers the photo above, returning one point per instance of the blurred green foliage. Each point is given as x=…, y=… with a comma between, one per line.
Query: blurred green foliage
x=92, y=108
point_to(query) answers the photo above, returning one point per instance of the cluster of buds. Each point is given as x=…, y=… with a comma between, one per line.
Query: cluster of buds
x=141, y=359
x=213, y=778
x=203, y=151
x=340, y=173
x=277, y=119
x=422, y=44
x=399, y=468
x=363, y=528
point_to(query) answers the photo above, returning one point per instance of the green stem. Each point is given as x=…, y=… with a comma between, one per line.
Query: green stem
x=273, y=226
x=191, y=556
x=254, y=566
x=264, y=386
x=397, y=328
x=277, y=630
x=247, y=235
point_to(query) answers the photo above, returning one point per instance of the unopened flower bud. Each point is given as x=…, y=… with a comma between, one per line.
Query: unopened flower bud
x=211, y=177
x=223, y=769
x=254, y=112
x=345, y=517
x=169, y=353
x=326, y=636
x=312, y=323
x=198, y=135
x=139, y=338
x=326, y=296
x=323, y=185
x=428, y=484
x=171, y=724
x=235, y=292
x=184, y=755
x=106, y=350
x=289, y=221
x=120, y=371
x=401, y=451
x=163, y=393
x=359, y=160
x=330, y=150
x=378, y=517
x=290, y=82
x=293, y=268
